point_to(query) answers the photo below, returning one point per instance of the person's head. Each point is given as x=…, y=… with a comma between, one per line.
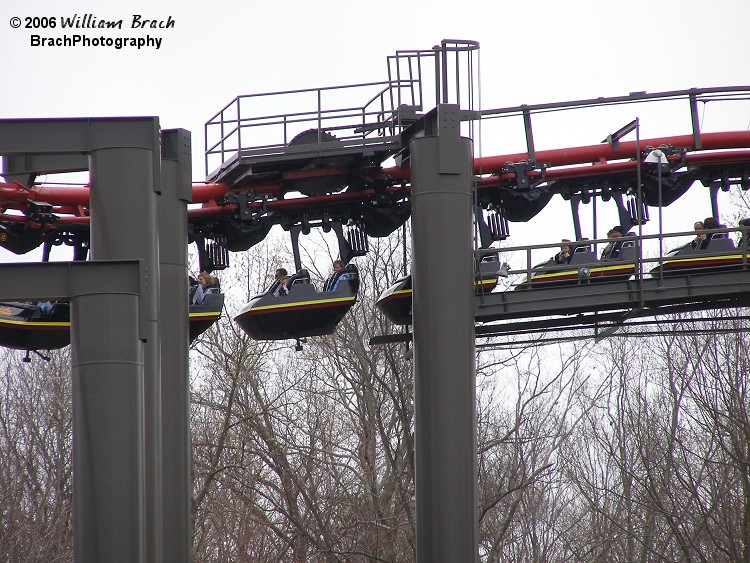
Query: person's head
x=280, y=273
x=710, y=223
x=616, y=232
x=284, y=280
x=698, y=225
x=565, y=246
x=745, y=222
x=338, y=265
x=204, y=278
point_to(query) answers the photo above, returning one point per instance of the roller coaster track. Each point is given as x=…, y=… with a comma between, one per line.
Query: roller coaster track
x=722, y=156
x=335, y=171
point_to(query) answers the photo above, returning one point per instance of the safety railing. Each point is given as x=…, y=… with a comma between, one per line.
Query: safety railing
x=524, y=262
x=248, y=126
x=695, y=101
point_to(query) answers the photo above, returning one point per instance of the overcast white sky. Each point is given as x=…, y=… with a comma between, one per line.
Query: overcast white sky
x=532, y=51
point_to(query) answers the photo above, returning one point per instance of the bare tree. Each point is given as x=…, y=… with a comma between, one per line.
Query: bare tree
x=633, y=449
x=527, y=508
x=313, y=451
x=35, y=459
x=662, y=464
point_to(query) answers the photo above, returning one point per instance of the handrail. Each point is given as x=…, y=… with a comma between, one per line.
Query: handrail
x=226, y=142
x=529, y=267
x=615, y=100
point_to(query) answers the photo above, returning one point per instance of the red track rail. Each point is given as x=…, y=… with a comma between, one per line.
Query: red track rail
x=70, y=203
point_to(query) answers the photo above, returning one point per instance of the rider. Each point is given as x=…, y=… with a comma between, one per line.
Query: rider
x=333, y=280
x=281, y=283
x=612, y=250
x=565, y=254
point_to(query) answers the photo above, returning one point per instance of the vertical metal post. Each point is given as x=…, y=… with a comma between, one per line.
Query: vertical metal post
x=575, y=200
x=661, y=223
x=444, y=71
x=694, y=119
x=444, y=370
x=713, y=191
x=108, y=479
x=294, y=232
x=594, y=222
x=529, y=133
x=123, y=226
x=639, y=181
x=438, y=88
x=175, y=383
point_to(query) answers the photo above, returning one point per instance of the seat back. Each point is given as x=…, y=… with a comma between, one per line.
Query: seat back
x=303, y=276
x=583, y=255
x=627, y=252
x=213, y=299
x=353, y=279
x=719, y=244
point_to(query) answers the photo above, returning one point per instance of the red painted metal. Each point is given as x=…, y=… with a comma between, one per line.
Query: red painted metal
x=698, y=159
x=595, y=153
x=70, y=202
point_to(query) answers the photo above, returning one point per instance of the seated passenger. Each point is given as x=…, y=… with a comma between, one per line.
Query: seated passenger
x=699, y=235
x=338, y=274
x=45, y=307
x=710, y=223
x=195, y=292
x=283, y=287
x=612, y=250
x=565, y=254
x=280, y=286
x=209, y=283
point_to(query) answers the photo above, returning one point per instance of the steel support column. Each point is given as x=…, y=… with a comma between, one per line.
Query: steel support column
x=176, y=193
x=444, y=372
x=108, y=455
x=123, y=226
x=116, y=410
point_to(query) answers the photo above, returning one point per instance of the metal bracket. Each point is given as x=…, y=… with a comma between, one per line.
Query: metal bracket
x=40, y=212
x=668, y=150
x=493, y=227
x=521, y=168
x=609, y=331
x=242, y=200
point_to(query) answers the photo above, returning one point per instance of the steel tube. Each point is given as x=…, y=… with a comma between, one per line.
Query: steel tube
x=175, y=381
x=123, y=226
x=108, y=455
x=444, y=373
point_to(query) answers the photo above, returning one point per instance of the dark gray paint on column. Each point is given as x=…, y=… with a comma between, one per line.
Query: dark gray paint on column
x=107, y=428
x=123, y=225
x=176, y=193
x=115, y=336
x=444, y=372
